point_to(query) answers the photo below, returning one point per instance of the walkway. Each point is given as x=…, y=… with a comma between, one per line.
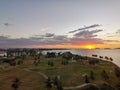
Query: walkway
x=65, y=88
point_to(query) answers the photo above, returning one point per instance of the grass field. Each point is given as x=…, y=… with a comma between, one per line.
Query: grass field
x=70, y=75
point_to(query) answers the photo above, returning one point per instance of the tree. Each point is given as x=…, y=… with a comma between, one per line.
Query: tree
x=105, y=75
x=59, y=86
x=118, y=86
x=20, y=62
x=92, y=77
x=111, y=59
x=48, y=83
x=87, y=79
x=64, y=62
x=67, y=55
x=105, y=86
x=76, y=57
x=117, y=72
x=16, y=83
x=50, y=62
x=106, y=58
x=51, y=55
x=57, y=83
x=101, y=57
x=93, y=61
x=13, y=63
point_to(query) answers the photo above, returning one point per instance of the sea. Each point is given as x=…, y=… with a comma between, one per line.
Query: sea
x=113, y=53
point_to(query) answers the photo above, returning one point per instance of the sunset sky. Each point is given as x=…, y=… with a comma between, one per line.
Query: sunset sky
x=59, y=23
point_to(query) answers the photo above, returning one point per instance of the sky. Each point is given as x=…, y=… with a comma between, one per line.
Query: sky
x=59, y=23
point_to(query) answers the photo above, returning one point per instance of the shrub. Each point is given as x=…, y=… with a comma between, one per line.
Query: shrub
x=105, y=75
x=92, y=77
x=117, y=72
x=105, y=86
x=16, y=83
x=87, y=79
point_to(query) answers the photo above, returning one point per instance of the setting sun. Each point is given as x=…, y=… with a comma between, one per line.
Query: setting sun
x=89, y=47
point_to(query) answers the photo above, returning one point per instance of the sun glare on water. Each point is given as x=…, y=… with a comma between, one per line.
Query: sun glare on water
x=89, y=47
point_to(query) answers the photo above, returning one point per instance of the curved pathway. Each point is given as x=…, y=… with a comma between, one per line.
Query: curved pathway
x=77, y=87
x=65, y=88
x=40, y=73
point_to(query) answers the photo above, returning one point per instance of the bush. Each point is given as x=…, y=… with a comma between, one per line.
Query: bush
x=105, y=86
x=20, y=62
x=104, y=75
x=93, y=61
x=117, y=72
x=64, y=62
x=50, y=62
x=67, y=55
x=57, y=83
x=13, y=63
x=48, y=82
x=51, y=55
x=92, y=77
x=87, y=79
x=118, y=86
x=16, y=83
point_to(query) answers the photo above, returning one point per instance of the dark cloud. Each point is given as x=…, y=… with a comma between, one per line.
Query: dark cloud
x=49, y=35
x=111, y=40
x=86, y=27
x=7, y=42
x=7, y=24
x=87, y=33
x=36, y=38
x=118, y=31
x=83, y=41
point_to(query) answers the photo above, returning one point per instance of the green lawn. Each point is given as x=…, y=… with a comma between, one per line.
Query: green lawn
x=71, y=74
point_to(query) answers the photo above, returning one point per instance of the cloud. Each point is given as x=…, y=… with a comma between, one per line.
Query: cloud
x=7, y=24
x=111, y=40
x=53, y=39
x=118, y=31
x=87, y=33
x=84, y=41
x=86, y=27
x=7, y=42
x=49, y=35
x=36, y=38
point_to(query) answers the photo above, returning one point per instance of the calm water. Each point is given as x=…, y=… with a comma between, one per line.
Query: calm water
x=113, y=53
